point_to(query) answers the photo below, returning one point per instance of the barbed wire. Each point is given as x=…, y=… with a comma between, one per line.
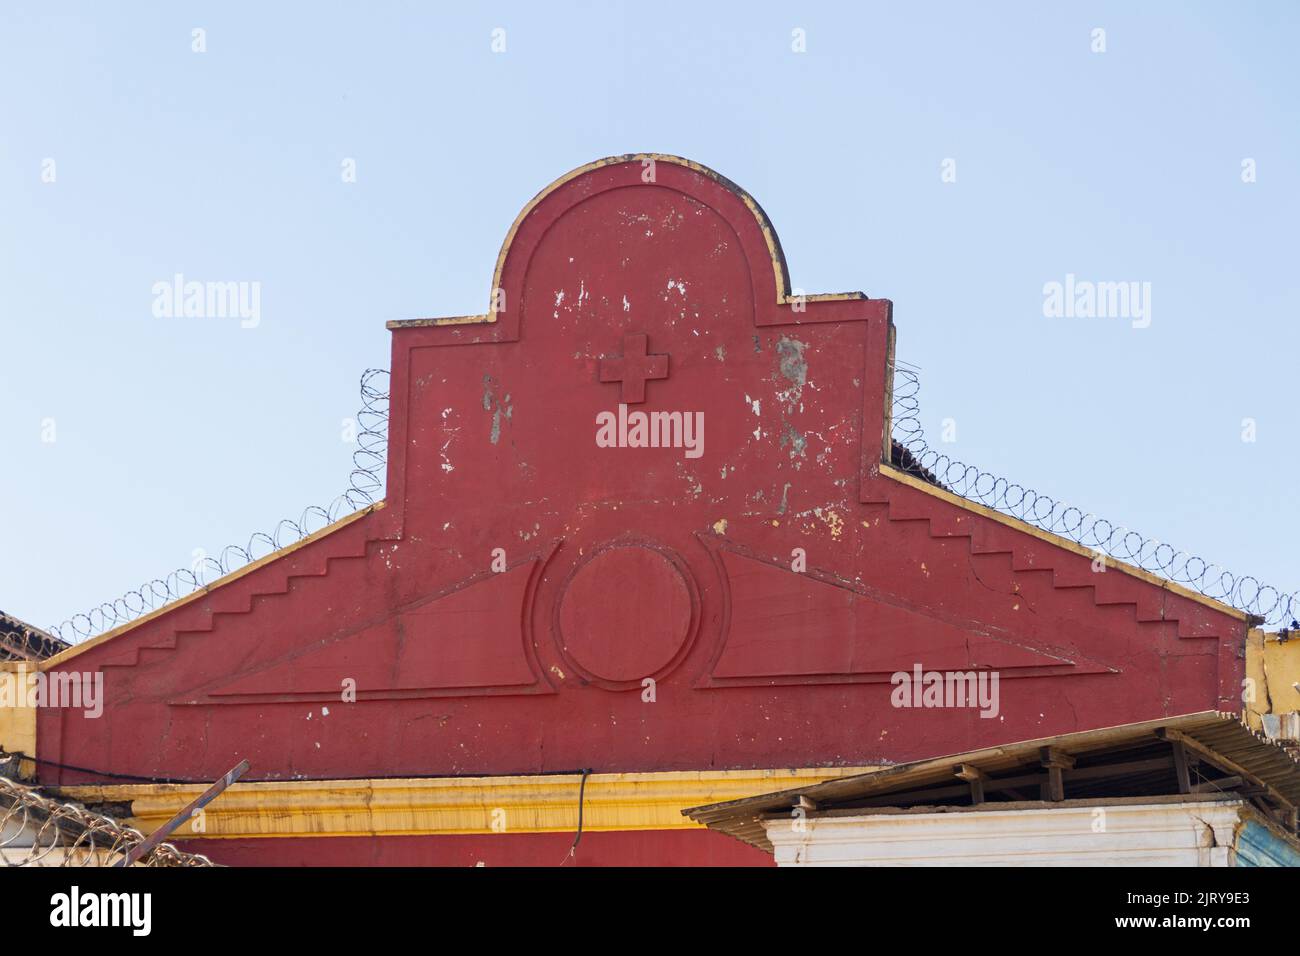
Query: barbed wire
x=76, y=836
x=20, y=643
x=1243, y=592
x=365, y=487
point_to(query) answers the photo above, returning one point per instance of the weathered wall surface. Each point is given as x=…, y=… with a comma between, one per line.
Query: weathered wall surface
x=1200, y=833
x=505, y=609
x=1271, y=683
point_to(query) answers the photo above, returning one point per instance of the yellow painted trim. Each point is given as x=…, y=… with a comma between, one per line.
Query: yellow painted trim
x=18, y=723
x=235, y=575
x=451, y=805
x=764, y=224
x=887, y=429
x=1273, y=669
x=1255, y=697
x=889, y=471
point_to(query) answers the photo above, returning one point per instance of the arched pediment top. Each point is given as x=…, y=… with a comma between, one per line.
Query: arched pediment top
x=773, y=296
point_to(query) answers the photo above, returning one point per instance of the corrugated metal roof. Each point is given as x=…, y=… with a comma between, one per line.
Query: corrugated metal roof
x=20, y=641
x=1222, y=735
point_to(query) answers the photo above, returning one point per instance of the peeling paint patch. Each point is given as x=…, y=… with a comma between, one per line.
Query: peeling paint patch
x=497, y=408
x=831, y=520
x=794, y=367
x=784, y=500
x=797, y=442
x=720, y=526
x=450, y=433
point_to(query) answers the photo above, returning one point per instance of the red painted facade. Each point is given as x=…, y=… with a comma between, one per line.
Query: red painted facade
x=613, y=848
x=627, y=563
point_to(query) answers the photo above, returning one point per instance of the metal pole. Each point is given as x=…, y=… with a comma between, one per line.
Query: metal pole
x=207, y=796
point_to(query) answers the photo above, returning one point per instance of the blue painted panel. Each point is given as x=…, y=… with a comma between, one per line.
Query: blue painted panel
x=1259, y=846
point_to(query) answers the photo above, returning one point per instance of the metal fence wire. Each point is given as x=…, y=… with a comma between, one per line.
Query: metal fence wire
x=1274, y=606
x=38, y=831
x=366, y=486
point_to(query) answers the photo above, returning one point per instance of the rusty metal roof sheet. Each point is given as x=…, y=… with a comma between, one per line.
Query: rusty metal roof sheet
x=20, y=641
x=1217, y=734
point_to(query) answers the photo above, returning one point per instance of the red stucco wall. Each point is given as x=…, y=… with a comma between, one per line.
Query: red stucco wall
x=633, y=563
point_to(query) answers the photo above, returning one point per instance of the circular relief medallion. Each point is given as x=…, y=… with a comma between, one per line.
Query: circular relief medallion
x=625, y=613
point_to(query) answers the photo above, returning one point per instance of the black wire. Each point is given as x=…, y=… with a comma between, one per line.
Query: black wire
x=205, y=780
x=582, y=789
x=577, y=837
x=98, y=773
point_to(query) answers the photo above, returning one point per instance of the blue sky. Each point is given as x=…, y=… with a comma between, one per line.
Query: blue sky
x=177, y=434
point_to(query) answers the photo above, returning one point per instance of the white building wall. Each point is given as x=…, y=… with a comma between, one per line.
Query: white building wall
x=1163, y=834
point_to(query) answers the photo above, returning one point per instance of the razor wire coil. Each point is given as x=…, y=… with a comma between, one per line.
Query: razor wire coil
x=1273, y=606
x=38, y=831
x=365, y=487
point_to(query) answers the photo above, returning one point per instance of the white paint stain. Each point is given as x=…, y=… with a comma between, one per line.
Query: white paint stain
x=447, y=466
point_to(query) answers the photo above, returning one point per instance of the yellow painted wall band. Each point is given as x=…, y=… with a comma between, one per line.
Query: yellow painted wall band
x=450, y=805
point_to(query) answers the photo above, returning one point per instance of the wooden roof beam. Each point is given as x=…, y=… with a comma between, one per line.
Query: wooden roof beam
x=975, y=777
x=1054, y=760
x=1231, y=768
